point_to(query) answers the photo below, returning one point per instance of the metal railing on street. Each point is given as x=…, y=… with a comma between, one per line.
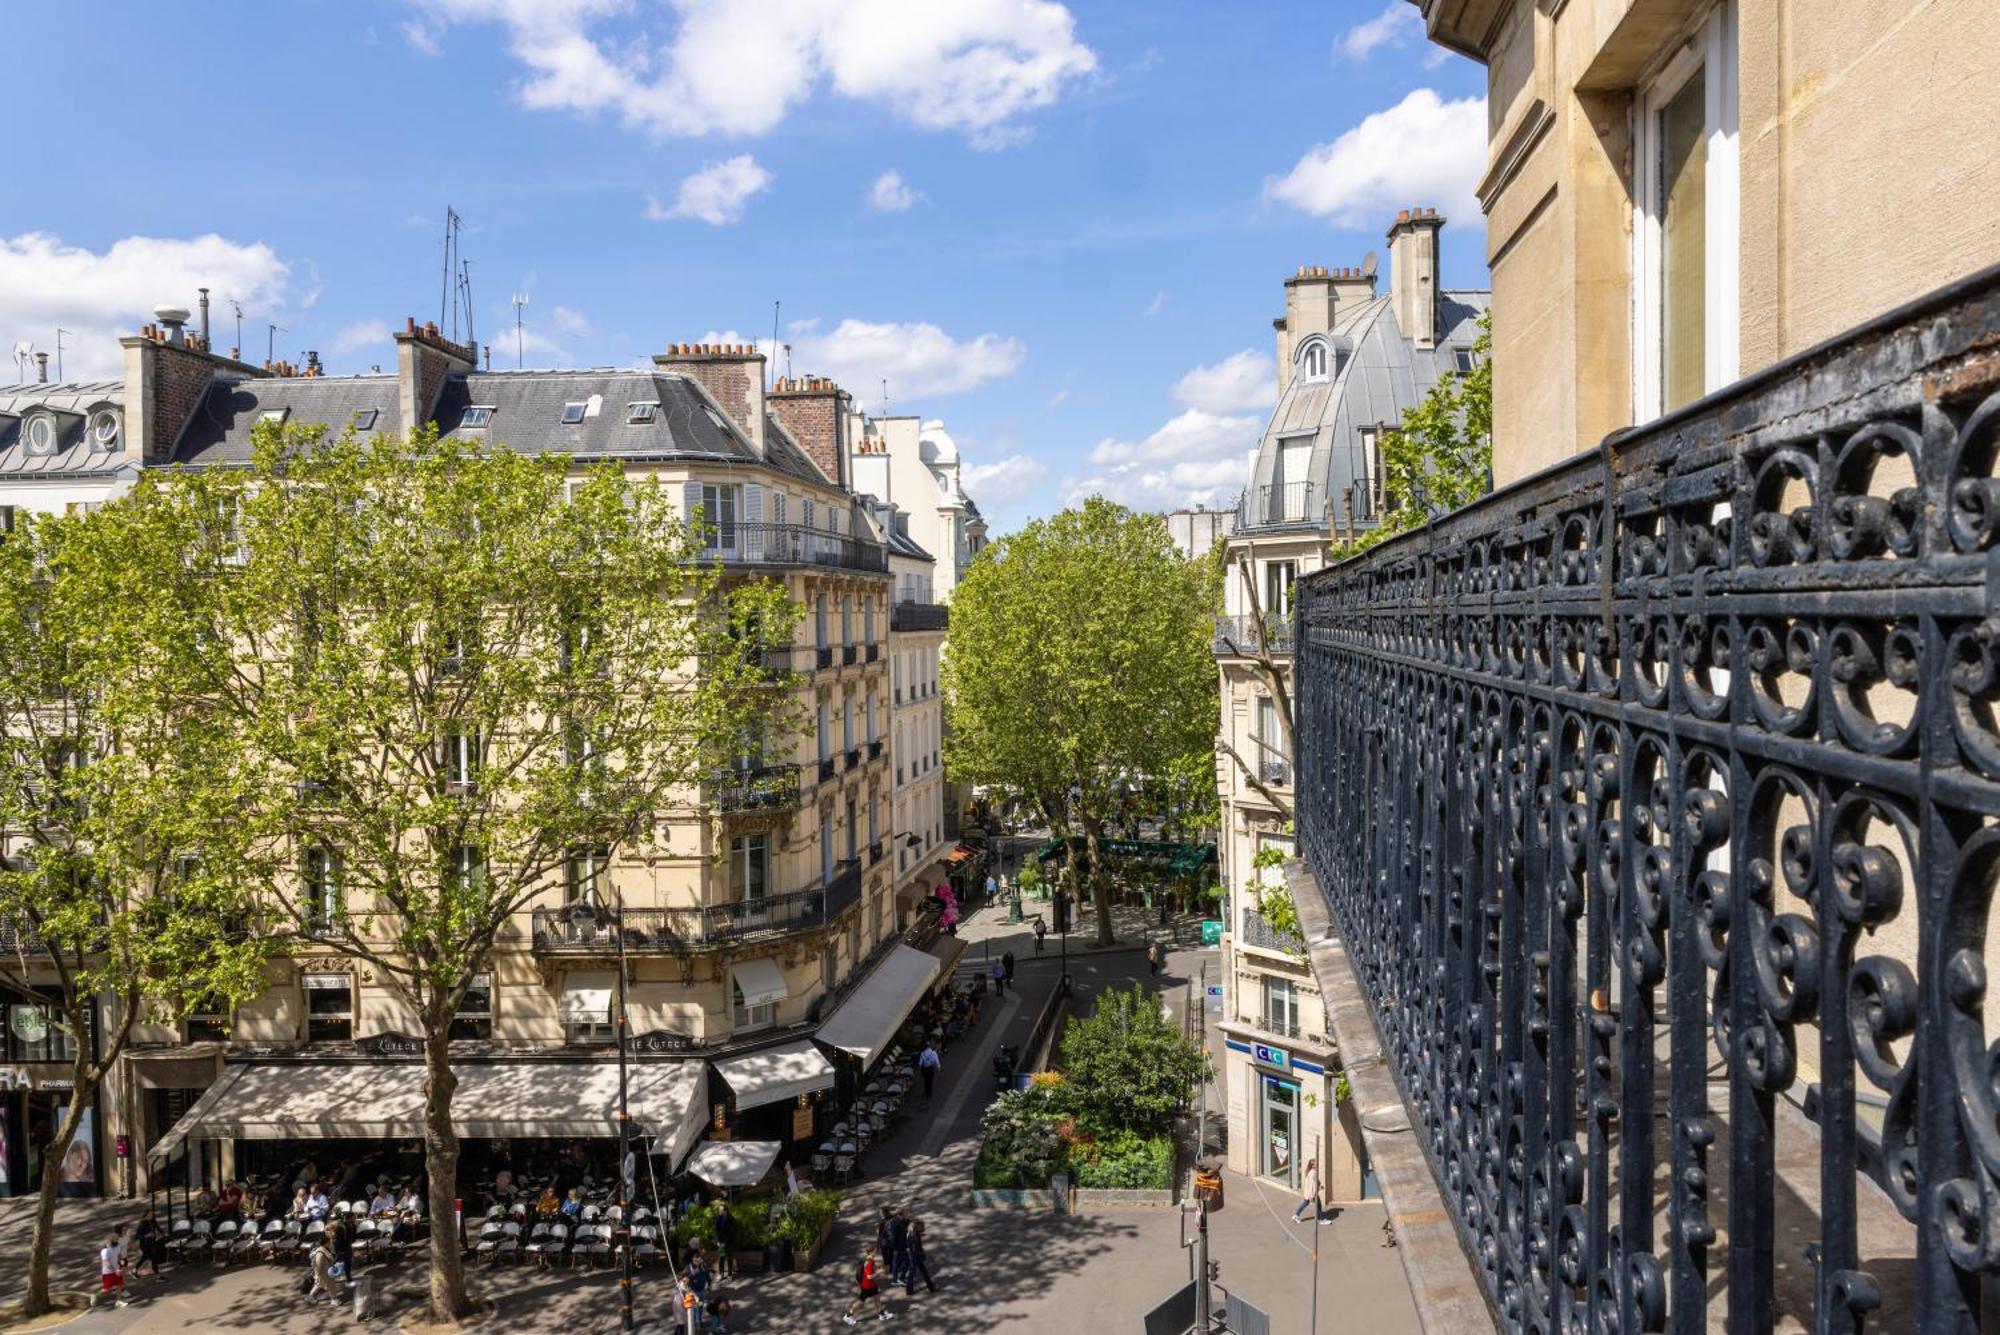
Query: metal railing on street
x=1660, y=790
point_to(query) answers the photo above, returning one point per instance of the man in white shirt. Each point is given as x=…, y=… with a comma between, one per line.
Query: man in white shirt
x=317, y=1205
x=382, y=1203
x=111, y=1270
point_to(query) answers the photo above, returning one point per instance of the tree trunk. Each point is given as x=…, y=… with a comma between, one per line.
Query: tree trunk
x=448, y=1302
x=84, y=1096
x=1100, y=885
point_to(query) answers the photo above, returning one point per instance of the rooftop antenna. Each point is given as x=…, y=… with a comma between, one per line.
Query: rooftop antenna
x=775, y=306
x=465, y=290
x=237, y=306
x=788, y=361
x=59, y=347
x=448, y=290
x=24, y=353
x=271, y=341
x=520, y=300
x=885, y=396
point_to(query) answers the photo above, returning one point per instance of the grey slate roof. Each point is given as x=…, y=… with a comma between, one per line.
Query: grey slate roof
x=1378, y=373
x=902, y=546
x=527, y=416
x=76, y=452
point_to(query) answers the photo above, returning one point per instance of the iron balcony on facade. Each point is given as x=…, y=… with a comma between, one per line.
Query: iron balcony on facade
x=919, y=616
x=875, y=851
x=1273, y=770
x=755, y=788
x=823, y=657
x=1655, y=803
x=765, y=544
x=828, y=767
x=1237, y=637
x=875, y=749
x=583, y=930
x=1258, y=931
x=854, y=758
x=1283, y=1026
x=1278, y=505
x=850, y=654
x=872, y=651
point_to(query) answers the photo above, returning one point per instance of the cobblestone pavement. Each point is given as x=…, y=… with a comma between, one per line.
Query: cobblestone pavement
x=997, y=1270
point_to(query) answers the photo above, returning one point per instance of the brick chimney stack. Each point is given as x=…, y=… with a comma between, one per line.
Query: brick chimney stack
x=1413, y=274
x=425, y=359
x=732, y=374
x=814, y=411
x=167, y=373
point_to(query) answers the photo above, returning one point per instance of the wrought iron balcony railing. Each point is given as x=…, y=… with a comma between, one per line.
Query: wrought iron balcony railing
x=759, y=788
x=1236, y=636
x=1660, y=792
x=1257, y=931
x=828, y=767
x=790, y=545
x=1284, y=1026
x=849, y=654
x=919, y=616
x=1279, y=504
x=581, y=929
x=1272, y=770
x=875, y=749
x=823, y=657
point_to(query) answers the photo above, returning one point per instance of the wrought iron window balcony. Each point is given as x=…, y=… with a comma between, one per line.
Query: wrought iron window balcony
x=1274, y=771
x=1236, y=636
x=582, y=929
x=1661, y=790
x=875, y=851
x=828, y=767
x=823, y=657
x=872, y=651
x=854, y=758
x=1258, y=931
x=755, y=788
x=765, y=544
x=1278, y=505
x=875, y=749
x=849, y=654
x=1281, y=1025
x=919, y=617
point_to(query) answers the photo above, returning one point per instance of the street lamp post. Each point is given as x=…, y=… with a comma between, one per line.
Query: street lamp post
x=626, y=1174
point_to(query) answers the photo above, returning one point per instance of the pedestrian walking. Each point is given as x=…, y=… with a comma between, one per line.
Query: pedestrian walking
x=999, y=975
x=885, y=1237
x=899, y=1247
x=916, y=1263
x=319, y=1264
x=698, y=1277
x=1041, y=931
x=867, y=1282
x=725, y=1239
x=1310, y=1185
x=111, y=1270
x=152, y=1246
x=1155, y=957
x=1007, y=964
x=927, y=1067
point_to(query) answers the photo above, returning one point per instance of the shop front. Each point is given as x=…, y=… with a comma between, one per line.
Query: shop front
x=1285, y=1111
x=34, y=1099
x=861, y=1031
x=781, y=1095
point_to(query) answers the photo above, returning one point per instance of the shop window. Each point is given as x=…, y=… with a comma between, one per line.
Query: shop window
x=35, y=1033
x=329, y=1007
x=474, y=1017
x=207, y=1021
x=750, y=1017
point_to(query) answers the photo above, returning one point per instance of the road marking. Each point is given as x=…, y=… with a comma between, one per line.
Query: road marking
x=941, y=1125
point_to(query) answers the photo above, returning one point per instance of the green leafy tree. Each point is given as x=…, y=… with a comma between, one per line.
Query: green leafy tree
x=466, y=673
x=129, y=867
x=1127, y=1067
x=1078, y=666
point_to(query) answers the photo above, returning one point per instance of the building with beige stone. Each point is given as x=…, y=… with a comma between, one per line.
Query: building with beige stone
x=1351, y=359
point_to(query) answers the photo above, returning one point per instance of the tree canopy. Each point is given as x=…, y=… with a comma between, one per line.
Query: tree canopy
x=1079, y=665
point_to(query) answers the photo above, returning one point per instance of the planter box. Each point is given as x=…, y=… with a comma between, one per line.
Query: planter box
x=749, y=1263
x=803, y=1261
x=1123, y=1198
x=1014, y=1198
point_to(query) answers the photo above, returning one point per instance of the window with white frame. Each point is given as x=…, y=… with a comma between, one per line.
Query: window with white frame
x=1312, y=360
x=319, y=888
x=718, y=514
x=1279, y=577
x=584, y=873
x=761, y=1016
x=819, y=621
x=846, y=619
x=750, y=868
x=1687, y=223
x=329, y=1007
x=825, y=734
x=458, y=758
x=1281, y=1006
x=1373, y=491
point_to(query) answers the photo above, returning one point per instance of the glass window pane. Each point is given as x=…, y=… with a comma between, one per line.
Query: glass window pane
x=1684, y=244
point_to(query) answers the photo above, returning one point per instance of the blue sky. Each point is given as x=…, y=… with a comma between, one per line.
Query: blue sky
x=1074, y=265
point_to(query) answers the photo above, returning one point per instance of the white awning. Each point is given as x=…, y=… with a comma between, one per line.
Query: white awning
x=734, y=1163
x=382, y=1100
x=586, y=997
x=869, y=1018
x=776, y=1074
x=760, y=981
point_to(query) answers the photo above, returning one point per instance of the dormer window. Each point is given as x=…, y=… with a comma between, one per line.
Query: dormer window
x=477, y=416
x=274, y=414
x=364, y=419
x=104, y=428
x=40, y=435
x=572, y=413
x=1312, y=361
x=637, y=414
x=1464, y=360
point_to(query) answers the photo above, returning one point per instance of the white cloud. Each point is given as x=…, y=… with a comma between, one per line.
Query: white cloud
x=420, y=36
x=1242, y=382
x=569, y=321
x=717, y=193
x=975, y=66
x=892, y=194
x=98, y=297
x=916, y=358
x=1392, y=27
x=1004, y=481
x=1195, y=458
x=362, y=334
x=1055, y=400
x=1424, y=150
x=1158, y=303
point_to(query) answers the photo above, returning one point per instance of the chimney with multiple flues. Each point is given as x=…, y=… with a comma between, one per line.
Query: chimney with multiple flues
x=732, y=374
x=813, y=411
x=42, y=368
x=425, y=359
x=1413, y=274
x=167, y=373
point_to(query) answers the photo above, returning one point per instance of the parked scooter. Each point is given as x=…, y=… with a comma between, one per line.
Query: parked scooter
x=1003, y=1068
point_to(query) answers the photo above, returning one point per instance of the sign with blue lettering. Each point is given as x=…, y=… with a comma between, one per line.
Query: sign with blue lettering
x=1270, y=1056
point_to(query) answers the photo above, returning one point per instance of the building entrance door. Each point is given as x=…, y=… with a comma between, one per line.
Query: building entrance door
x=1281, y=1131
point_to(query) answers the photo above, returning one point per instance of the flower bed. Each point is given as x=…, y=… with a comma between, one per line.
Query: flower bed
x=802, y=1225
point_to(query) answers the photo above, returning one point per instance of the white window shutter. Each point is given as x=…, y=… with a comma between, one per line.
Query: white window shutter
x=753, y=522
x=693, y=501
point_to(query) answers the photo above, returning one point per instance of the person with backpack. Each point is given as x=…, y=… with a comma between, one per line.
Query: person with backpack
x=866, y=1281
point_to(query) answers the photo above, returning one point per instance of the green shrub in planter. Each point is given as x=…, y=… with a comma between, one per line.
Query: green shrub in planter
x=697, y=1226
x=1125, y=1161
x=800, y=1221
x=1021, y=1140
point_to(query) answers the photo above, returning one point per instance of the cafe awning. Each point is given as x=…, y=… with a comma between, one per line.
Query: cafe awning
x=949, y=951
x=385, y=1100
x=869, y=1018
x=734, y=1163
x=760, y=981
x=776, y=1075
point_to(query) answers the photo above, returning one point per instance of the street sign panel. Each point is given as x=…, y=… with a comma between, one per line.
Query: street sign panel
x=1241, y=1318
x=1174, y=1316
